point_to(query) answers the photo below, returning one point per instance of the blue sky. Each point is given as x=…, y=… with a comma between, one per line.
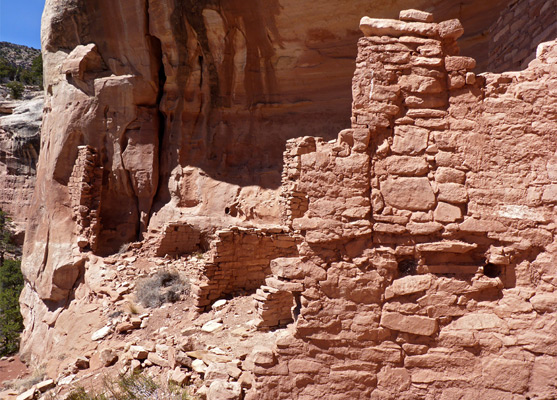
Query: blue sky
x=20, y=22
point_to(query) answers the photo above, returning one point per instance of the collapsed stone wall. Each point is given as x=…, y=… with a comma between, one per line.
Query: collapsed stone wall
x=427, y=264
x=239, y=261
x=522, y=25
x=175, y=239
x=420, y=237
x=190, y=113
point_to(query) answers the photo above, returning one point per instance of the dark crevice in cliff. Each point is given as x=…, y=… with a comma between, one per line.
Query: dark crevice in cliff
x=194, y=15
x=156, y=48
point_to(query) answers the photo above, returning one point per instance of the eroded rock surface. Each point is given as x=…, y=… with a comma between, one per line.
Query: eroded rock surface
x=410, y=257
x=20, y=123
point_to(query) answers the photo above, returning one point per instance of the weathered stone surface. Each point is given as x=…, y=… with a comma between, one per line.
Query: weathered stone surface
x=424, y=101
x=158, y=360
x=263, y=356
x=222, y=390
x=544, y=302
x=426, y=113
x=187, y=121
x=475, y=225
x=108, y=357
x=479, y=321
x=407, y=166
x=393, y=379
x=452, y=193
x=139, y=352
x=415, y=15
x=212, y=326
x=408, y=285
x=413, y=194
x=81, y=362
x=410, y=140
x=101, y=333
x=550, y=194
x=420, y=84
x=451, y=29
x=449, y=175
x=426, y=228
x=383, y=27
x=507, y=375
x=19, y=143
x=178, y=377
x=409, y=323
x=456, y=63
x=27, y=395
x=199, y=366
x=449, y=246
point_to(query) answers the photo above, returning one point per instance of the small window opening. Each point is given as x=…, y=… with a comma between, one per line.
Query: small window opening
x=492, y=270
x=407, y=267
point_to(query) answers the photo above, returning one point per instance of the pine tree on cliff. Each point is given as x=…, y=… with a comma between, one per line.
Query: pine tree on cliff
x=11, y=284
x=6, y=245
x=11, y=322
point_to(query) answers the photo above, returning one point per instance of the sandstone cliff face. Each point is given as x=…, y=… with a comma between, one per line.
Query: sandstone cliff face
x=188, y=107
x=19, y=144
x=423, y=234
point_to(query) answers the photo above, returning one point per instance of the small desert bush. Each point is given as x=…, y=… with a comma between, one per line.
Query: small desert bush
x=163, y=287
x=136, y=386
x=27, y=382
x=123, y=248
x=16, y=89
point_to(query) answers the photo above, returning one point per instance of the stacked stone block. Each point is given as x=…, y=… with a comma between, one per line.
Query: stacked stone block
x=521, y=27
x=277, y=302
x=437, y=297
x=84, y=187
x=239, y=261
x=177, y=238
x=273, y=307
x=336, y=176
x=418, y=183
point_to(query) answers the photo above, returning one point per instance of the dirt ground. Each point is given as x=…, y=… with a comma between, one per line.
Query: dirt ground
x=12, y=368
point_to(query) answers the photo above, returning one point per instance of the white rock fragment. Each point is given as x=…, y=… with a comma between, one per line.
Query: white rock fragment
x=213, y=326
x=219, y=305
x=101, y=333
x=199, y=366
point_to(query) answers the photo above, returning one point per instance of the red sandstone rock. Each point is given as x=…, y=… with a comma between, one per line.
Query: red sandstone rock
x=409, y=323
x=20, y=142
x=459, y=63
x=383, y=27
x=351, y=326
x=451, y=29
x=415, y=15
x=408, y=193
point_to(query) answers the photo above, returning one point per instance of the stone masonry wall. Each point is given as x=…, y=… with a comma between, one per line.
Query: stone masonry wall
x=239, y=260
x=84, y=187
x=427, y=267
x=520, y=28
x=176, y=239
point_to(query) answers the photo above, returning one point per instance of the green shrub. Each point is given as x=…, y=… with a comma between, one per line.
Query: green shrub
x=11, y=284
x=37, y=70
x=81, y=394
x=11, y=321
x=16, y=89
x=163, y=287
x=7, y=70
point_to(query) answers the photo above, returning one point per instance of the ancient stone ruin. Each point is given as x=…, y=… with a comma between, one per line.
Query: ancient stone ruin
x=411, y=257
